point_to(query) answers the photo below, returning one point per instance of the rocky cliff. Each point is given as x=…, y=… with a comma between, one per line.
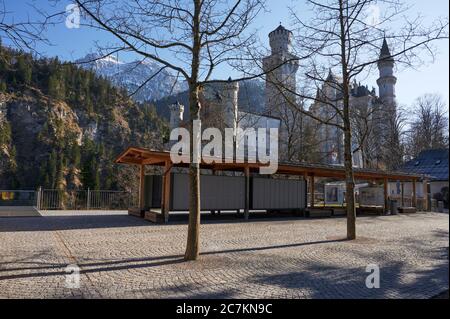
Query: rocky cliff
x=62, y=126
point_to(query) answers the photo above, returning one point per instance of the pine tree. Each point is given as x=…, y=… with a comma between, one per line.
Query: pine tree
x=52, y=168
x=76, y=155
x=24, y=70
x=3, y=86
x=53, y=86
x=60, y=174
x=96, y=177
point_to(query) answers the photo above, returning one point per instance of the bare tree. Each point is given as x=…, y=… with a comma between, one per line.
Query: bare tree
x=342, y=35
x=429, y=125
x=21, y=33
x=191, y=38
x=393, y=147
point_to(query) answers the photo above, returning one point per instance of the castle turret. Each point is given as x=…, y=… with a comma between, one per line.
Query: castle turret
x=230, y=94
x=221, y=107
x=331, y=89
x=176, y=114
x=386, y=82
x=281, y=67
x=280, y=40
x=385, y=108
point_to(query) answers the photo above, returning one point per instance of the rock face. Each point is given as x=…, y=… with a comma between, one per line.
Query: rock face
x=40, y=125
x=133, y=74
x=6, y=150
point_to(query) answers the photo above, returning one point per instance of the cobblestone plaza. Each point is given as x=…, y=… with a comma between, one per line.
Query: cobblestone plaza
x=121, y=256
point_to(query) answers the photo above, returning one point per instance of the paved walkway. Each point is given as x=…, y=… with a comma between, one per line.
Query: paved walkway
x=18, y=211
x=125, y=257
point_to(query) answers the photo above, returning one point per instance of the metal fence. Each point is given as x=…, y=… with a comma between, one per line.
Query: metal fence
x=407, y=201
x=52, y=199
x=85, y=199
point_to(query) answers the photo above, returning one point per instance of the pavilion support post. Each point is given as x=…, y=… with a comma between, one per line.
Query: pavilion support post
x=214, y=173
x=414, y=196
x=403, y=193
x=425, y=196
x=247, y=192
x=141, y=187
x=165, y=205
x=312, y=189
x=386, y=196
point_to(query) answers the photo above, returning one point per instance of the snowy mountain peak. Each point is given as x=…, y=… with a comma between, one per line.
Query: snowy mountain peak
x=97, y=60
x=131, y=75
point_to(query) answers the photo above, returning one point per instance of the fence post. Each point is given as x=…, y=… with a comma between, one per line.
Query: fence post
x=38, y=198
x=88, y=203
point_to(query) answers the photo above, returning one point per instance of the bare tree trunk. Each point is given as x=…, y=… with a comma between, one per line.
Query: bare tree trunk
x=349, y=182
x=348, y=154
x=193, y=238
x=193, y=241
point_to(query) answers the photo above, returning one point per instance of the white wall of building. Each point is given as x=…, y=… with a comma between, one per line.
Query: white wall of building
x=435, y=187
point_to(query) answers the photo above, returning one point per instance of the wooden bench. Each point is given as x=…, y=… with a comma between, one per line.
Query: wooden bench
x=407, y=210
x=154, y=217
x=136, y=212
x=285, y=212
x=316, y=212
x=339, y=212
x=370, y=210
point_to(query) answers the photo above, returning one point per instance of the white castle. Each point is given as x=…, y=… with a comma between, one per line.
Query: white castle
x=375, y=109
x=281, y=68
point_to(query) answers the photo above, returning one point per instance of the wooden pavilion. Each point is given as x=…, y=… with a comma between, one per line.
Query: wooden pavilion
x=143, y=157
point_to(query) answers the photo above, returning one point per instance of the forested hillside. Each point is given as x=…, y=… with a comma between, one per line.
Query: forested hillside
x=61, y=126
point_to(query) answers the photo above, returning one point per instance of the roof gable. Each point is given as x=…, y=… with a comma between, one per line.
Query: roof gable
x=431, y=162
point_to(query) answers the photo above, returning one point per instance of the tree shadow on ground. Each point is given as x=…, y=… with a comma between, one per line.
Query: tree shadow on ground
x=129, y=263
x=96, y=221
x=52, y=223
x=325, y=281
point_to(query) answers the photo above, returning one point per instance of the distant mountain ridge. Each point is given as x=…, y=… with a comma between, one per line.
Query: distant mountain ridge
x=132, y=75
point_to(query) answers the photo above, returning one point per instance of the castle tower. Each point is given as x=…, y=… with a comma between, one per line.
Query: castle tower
x=221, y=108
x=176, y=114
x=230, y=94
x=331, y=87
x=281, y=68
x=385, y=112
x=386, y=82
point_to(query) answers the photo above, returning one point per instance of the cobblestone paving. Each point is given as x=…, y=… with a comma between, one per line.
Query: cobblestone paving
x=125, y=257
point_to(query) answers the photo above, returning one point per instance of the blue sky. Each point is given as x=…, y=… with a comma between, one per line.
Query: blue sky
x=69, y=44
